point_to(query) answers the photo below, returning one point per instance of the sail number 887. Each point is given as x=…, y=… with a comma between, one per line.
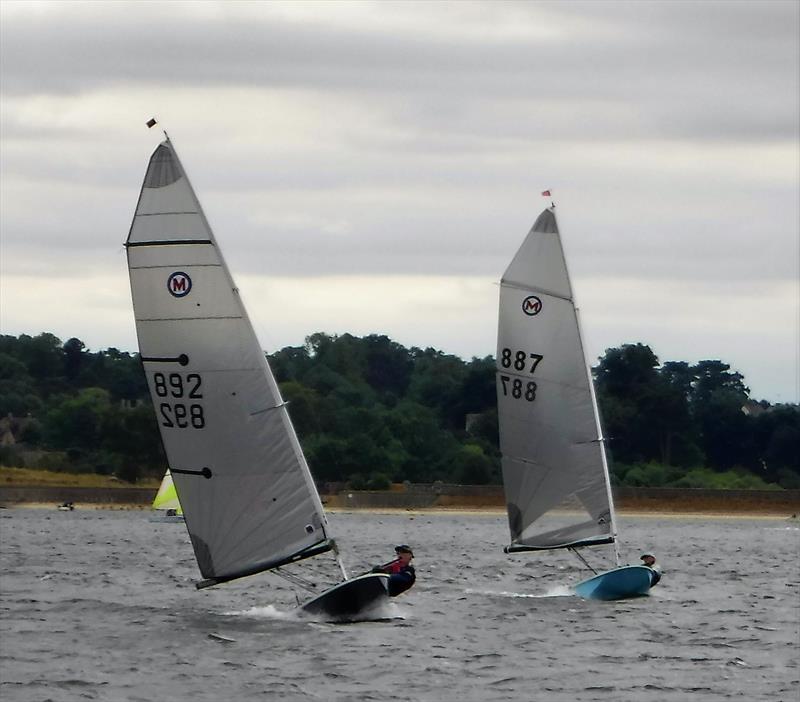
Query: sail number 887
x=519, y=359
x=180, y=415
x=519, y=388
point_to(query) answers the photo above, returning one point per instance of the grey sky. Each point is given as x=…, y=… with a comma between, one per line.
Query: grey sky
x=373, y=166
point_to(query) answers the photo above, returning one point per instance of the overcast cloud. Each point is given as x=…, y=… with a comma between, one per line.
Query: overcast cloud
x=372, y=167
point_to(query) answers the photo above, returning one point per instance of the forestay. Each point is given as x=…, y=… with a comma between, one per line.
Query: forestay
x=554, y=469
x=249, y=501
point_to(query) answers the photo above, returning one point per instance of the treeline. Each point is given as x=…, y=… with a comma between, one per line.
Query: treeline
x=370, y=411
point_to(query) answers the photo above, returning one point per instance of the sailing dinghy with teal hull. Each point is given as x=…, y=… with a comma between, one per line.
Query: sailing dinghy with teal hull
x=555, y=472
x=249, y=501
x=617, y=584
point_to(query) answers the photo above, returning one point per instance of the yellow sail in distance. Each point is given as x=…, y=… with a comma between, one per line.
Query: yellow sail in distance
x=167, y=496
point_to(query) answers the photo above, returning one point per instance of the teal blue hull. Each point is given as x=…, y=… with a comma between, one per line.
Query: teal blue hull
x=617, y=584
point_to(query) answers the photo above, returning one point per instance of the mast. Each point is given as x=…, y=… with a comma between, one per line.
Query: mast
x=602, y=441
x=600, y=438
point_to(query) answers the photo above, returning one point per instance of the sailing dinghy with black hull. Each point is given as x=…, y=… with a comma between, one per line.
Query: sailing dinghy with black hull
x=249, y=502
x=555, y=472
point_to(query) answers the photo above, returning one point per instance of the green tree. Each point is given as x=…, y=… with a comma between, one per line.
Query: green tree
x=76, y=422
x=73, y=357
x=388, y=365
x=628, y=395
x=471, y=466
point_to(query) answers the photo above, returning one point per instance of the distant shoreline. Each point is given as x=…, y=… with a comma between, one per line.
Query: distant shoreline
x=638, y=502
x=461, y=511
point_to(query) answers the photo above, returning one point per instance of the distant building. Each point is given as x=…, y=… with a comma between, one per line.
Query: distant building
x=11, y=429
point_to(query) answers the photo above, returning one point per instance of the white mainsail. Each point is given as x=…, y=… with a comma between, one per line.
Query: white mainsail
x=167, y=497
x=248, y=497
x=555, y=474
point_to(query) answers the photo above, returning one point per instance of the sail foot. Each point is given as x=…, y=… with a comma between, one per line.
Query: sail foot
x=317, y=549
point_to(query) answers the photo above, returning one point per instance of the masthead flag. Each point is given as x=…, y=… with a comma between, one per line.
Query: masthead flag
x=545, y=193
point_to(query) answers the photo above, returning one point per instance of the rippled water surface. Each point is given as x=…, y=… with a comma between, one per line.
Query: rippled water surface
x=101, y=605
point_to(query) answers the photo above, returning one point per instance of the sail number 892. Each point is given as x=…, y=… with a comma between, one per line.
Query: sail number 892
x=180, y=415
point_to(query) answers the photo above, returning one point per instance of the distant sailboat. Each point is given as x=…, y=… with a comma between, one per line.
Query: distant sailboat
x=555, y=472
x=248, y=497
x=166, y=501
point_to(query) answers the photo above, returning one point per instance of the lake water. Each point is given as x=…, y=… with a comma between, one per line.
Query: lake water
x=100, y=605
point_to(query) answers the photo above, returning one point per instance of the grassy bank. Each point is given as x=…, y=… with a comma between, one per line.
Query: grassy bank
x=49, y=478
x=20, y=486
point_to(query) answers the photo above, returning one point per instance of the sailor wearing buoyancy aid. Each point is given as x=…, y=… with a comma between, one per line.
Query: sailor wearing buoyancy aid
x=401, y=573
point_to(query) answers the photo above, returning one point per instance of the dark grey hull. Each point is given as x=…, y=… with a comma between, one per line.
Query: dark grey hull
x=351, y=598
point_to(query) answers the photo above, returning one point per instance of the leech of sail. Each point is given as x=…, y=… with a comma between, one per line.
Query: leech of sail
x=533, y=289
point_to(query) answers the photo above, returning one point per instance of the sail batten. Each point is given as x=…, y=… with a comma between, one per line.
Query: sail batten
x=169, y=242
x=533, y=289
x=554, y=471
x=249, y=501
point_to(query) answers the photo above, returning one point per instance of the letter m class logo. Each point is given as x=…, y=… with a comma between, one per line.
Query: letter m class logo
x=531, y=305
x=179, y=284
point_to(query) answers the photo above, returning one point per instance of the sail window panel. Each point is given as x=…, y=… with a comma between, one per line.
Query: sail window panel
x=209, y=295
x=557, y=467
x=544, y=509
x=256, y=505
x=177, y=197
x=557, y=413
x=168, y=227
x=539, y=263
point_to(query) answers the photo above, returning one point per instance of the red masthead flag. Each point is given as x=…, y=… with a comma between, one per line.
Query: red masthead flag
x=545, y=193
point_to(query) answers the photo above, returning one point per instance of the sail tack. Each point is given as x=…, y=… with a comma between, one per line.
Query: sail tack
x=554, y=472
x=248, y=497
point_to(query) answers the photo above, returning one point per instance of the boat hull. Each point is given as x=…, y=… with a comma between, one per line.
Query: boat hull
x=351, y=597
x=617, y=584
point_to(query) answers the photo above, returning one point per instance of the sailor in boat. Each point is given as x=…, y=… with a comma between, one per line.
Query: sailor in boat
x=401, y=573
x=650, y=561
